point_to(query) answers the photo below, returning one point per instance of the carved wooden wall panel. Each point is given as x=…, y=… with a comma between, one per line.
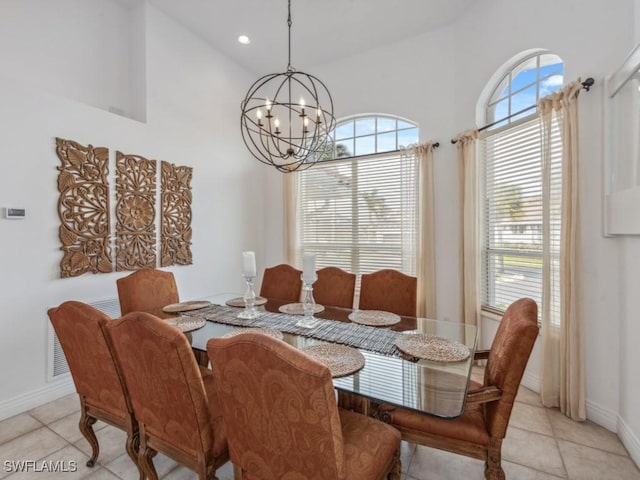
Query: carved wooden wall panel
x=83, y=206
x=175, y=222
x=135, y=212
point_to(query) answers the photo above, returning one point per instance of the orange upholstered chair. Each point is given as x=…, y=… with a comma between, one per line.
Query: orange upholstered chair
x=146, y=290
x=334, y=287
x=480, y=430
x=281, y=282
x=78, y=327
x=282, y=419
x=389, y=290
x=177, y=409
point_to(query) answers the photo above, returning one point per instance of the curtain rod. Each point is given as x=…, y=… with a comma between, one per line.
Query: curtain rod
x=587, y=84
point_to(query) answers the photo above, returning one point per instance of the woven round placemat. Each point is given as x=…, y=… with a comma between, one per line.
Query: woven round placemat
x=374, y=318
x=239, y=302
x=298, y=308
x=340, y=359
x=186, y=306
x=432, y=347
x=272, y=332
x=186, y=324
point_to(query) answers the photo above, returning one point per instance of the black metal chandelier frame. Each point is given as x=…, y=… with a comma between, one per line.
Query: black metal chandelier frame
x=304, y=139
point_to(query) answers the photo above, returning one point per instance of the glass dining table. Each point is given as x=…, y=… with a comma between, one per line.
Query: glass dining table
x=437, y=388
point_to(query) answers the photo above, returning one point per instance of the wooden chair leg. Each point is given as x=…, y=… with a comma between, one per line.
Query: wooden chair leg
x=493, y=468
x=396, y=467
x=86, y=428
x=145, y=461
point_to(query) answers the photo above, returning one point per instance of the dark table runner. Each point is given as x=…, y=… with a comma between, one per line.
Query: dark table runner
x=380, y=340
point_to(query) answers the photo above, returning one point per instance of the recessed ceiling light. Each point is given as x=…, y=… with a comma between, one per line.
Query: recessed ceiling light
x=243, y=39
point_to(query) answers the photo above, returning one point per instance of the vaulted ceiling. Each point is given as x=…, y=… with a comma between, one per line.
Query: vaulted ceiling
x=322, y=30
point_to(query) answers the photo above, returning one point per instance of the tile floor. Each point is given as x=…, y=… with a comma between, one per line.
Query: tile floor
x=541, y=444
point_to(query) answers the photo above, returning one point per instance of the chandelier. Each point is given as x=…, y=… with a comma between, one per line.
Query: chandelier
x=286, y=118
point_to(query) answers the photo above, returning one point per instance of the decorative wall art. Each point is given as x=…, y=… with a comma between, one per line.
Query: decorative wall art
x=175, y=222
x=135, y=212
x=83, y=206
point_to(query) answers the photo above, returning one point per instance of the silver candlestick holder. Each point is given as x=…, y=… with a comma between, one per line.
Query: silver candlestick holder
x=250, y=311
x=308, y=305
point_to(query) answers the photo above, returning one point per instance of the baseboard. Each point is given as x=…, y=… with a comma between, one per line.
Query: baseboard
x=602, y=416
x=35, y=398
x=629, y=440
x=531, y=381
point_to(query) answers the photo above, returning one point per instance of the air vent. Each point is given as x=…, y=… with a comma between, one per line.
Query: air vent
x=110, y=307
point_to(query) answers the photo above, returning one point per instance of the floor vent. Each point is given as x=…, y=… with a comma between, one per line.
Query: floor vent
x=110, y=307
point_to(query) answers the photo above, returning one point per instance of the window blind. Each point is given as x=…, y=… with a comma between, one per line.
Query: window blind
x=359, y=214
x=514, y=206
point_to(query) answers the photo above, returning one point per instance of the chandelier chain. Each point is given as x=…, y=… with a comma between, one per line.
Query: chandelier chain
x=289, y=25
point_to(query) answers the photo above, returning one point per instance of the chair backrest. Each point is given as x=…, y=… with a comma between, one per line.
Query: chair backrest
x=334, y=287
x=78, y=327
x=508, y=357
x=389, y=290
x=279, y=407
x=281, y=282
x=164, y=382
x=145, y=290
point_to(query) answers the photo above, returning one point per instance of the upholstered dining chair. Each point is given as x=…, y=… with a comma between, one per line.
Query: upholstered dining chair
x=177, y=408
x=78, y=327
x=334, y=287
x=281, y=282
x=146, y=290
x=480, y=430
x=283, y=421
x=389, y=290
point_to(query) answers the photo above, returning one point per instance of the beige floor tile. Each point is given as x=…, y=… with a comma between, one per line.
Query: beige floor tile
x=528, y=396
x=100, y=473
x=586, y=463
x=13, y=427
x=67, y=427
x=432, y=464
x=112, y=443
x=533, y=450
x=520, y=472
x=124, y=467
x=586, y=433
x=406, y=454
x=29, y=447
x=68, y=463
x=52, y=411
x=532, y=418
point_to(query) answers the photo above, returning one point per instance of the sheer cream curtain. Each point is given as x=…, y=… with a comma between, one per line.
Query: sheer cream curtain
x=425, y=248
x=469, y=270
x=290, y=218
x=562, y=330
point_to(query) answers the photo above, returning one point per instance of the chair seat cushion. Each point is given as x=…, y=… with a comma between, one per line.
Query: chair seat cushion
x=469, y=427
x=369, y=445
x=219, y=427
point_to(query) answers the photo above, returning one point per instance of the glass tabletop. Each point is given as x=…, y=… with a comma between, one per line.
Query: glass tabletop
x=436, y=388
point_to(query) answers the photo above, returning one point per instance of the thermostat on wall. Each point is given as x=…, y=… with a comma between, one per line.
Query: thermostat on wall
x=14, y=213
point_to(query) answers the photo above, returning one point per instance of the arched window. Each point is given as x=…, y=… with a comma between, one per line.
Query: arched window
x=512, y=204
x=356, y=208
x=515, y=95
x=370, y=134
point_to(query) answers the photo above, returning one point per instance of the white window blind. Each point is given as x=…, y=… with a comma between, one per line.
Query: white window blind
x=359, y=214
x=513, y=213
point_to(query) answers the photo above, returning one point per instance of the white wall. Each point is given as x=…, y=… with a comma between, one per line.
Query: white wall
x=436, y=80
x=192, y=109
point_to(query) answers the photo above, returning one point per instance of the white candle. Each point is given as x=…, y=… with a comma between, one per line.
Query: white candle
x=309, y=268
x=249, y=264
